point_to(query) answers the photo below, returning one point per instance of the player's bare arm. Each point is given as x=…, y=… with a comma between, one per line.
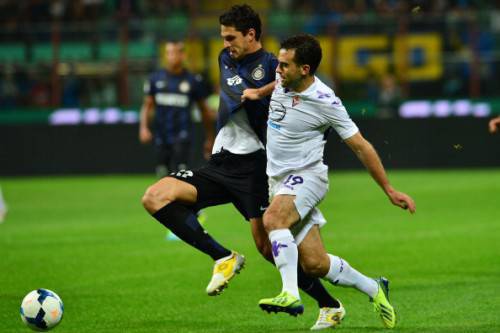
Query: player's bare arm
x=370, y=159
x=147, y=111
x=208, y=125
x=258, y=93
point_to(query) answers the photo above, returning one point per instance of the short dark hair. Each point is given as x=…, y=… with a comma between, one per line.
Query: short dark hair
x=307, y=50
x=242, y=18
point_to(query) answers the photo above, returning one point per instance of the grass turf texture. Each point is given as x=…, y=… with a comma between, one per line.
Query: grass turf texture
x=89, y=240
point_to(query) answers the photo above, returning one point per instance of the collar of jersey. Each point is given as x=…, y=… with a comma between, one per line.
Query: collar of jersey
x=248, y=58
x=306, y=92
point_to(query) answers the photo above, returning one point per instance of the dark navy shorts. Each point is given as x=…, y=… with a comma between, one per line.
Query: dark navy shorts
x=227, y=177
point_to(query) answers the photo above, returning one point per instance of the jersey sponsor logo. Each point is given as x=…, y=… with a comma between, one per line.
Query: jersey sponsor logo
x=183, y=173
x=167, y=99
x=273, y=125
x=277, y=110
x=234, y=81
x=295, y=100
x=184, y=87
x=258, y=73
x=160, y=84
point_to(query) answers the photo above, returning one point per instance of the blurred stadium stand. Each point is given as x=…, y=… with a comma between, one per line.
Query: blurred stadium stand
x=379, y=55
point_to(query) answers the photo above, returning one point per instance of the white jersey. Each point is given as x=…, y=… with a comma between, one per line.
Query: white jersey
x=237, y=136
x=297, y=124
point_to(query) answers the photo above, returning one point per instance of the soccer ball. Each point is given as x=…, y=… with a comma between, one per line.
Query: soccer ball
x=42, y=309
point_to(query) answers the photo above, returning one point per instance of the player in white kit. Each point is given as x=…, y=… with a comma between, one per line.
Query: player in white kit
x=301, y=111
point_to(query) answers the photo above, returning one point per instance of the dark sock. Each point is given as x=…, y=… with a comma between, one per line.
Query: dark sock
x=183, y=223
x=314, y=288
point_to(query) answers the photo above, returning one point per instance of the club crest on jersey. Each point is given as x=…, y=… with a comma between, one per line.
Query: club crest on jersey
x=295, y=100
x=235, y=80
x=277, y=111
x=184, y=87
x=160, y=84
x=336, y=101
x=322, y=95
x=258, y=73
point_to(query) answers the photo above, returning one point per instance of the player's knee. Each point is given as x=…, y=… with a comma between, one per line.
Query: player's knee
x=149, y=201
x=273, y=220
x=155, y=198
x=315, y=266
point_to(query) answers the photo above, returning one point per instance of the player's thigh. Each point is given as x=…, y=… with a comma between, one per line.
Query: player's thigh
x=281, y=213
x=246, y=181
x=209, y=184
x=312, y=253
x=167, y=190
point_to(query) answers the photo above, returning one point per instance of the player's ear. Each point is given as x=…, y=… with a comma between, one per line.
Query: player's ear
x=305, y=69
x=251, y=34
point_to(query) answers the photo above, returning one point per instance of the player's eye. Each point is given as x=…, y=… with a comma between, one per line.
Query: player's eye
x=229, y=38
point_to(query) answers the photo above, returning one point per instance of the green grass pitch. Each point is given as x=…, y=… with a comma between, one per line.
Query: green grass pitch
x=89, y=240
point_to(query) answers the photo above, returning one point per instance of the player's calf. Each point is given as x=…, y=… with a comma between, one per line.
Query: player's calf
x=316, y=266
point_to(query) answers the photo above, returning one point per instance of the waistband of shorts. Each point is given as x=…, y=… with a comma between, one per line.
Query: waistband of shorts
x=226, y=154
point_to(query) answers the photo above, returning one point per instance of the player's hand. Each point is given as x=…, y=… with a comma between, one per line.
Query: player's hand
x=207, y=148
x=402, y=200
x=251, y=94
x=145, y=135
x=494, y=124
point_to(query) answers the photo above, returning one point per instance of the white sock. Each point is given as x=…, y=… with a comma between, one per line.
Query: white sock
x=342, y=274
x=3, y=206
x=286, y=256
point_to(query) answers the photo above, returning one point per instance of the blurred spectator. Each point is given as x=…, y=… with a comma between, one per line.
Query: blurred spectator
x=99, y=92
x=40, y=89
x=468, y=31
x=453, y=85
x=389, y=97
x=9, y=92
x=72, y=90
x=372, y=86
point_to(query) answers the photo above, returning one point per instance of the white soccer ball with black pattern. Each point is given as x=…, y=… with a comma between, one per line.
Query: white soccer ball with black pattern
x=42, y=310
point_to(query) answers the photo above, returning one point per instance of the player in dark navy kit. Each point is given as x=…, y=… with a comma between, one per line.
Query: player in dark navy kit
x=166, y=112
x=236, y=172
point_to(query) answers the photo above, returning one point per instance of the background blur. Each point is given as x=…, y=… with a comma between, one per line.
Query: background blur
x=417, y=76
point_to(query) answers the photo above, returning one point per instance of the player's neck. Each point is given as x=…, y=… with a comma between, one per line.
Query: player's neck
x=176, y=70
x=254, y=48
x=304, y=84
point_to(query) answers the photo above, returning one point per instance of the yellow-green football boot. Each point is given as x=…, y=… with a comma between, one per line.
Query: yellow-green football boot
x=284, y=302
x=382, y=305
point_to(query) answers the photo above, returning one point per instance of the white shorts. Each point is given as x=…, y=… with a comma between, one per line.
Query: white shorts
x=309, y=188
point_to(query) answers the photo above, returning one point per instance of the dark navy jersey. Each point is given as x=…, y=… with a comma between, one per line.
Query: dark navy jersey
x=253, y=71
x=174, y=96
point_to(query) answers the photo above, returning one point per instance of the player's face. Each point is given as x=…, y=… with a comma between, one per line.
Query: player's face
x=290, y=73
x=175, y=55
x=235, y=41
